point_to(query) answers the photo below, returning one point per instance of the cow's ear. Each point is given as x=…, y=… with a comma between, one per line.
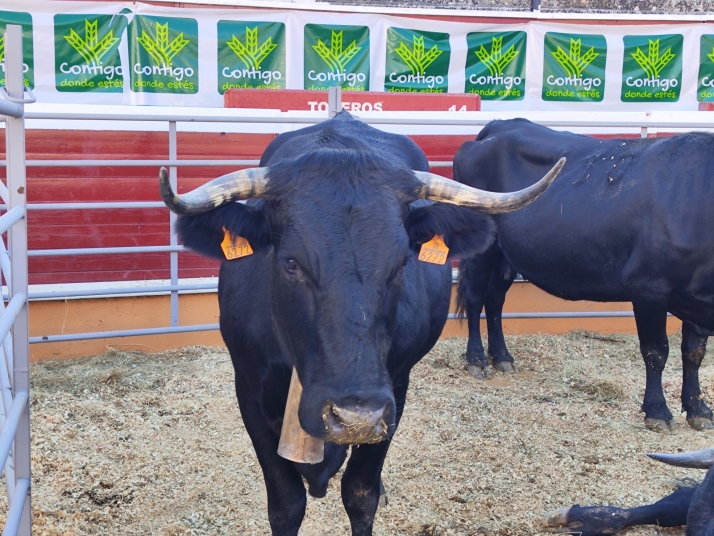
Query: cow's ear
x=205, y=232
x=465, y=231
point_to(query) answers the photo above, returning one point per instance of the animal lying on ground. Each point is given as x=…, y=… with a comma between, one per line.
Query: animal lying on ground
x=691, y=506
x=629, y=220
x=336, y=217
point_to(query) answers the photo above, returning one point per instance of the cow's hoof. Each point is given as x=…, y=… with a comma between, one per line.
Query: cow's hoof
x=557, y=522
x=700, y=423
x=382, y=495
x=480, y=373
x=506, y=366
x=659, y=425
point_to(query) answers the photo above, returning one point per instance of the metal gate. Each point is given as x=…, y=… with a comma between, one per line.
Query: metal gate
x=14, y=332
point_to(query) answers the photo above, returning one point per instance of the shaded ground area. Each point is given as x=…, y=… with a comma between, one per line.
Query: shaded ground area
x=154, y=444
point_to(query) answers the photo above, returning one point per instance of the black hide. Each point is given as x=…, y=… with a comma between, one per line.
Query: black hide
x=627, y=220
x=334, y=289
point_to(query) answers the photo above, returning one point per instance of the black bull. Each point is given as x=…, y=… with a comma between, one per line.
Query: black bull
x=334, y=289
x=628, y=220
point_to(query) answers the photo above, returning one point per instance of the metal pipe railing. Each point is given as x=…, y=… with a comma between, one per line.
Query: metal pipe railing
x=10, y=218
x=476, y=119
x=12, y=421
x=17, y=504
x=123, y=333
x=102, y=251
x=15, y=436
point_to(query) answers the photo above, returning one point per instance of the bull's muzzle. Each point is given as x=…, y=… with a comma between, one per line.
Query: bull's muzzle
x=352, y=426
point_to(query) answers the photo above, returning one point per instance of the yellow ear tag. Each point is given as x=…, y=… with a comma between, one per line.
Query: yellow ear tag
x=235, y=247
x=434, y=251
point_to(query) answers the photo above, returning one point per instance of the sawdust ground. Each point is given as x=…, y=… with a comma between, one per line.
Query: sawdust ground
x=153, y=444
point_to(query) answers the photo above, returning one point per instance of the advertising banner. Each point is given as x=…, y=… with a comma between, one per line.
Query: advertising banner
x=134, y=53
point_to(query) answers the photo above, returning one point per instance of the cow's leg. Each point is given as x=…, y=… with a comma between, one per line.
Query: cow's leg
x=473, y=284
x=361, y=481
x=286, y=491
x=605, y=520
x=694, y=346
x=501, y=279
x=651, y=320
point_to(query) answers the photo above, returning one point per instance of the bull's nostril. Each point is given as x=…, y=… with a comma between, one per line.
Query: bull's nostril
x=354, y=426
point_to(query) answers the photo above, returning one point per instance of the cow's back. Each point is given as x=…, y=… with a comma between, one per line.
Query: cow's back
x=623, y=212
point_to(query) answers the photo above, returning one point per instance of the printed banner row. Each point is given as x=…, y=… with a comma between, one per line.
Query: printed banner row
x=161, y=55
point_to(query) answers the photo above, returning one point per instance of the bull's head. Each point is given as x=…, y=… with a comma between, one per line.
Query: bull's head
x=340, y=233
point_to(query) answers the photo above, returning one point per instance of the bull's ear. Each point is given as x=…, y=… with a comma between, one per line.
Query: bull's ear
x=205, y=232
x=466, y=232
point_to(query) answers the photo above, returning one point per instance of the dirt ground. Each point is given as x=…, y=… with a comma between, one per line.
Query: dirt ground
x=153, y=444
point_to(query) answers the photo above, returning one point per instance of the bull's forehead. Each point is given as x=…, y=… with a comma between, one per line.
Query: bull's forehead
x=354, y=225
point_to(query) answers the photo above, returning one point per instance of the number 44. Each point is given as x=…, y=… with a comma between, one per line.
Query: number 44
x=462, y=109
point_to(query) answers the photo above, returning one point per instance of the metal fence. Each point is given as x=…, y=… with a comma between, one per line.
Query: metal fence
x=475, y=120
x=14, y=328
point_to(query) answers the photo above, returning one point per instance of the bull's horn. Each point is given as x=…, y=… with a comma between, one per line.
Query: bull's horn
x=242, y=184
x=438, y=188
x=697, y=459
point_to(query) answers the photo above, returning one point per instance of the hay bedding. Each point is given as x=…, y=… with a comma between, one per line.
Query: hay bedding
x=154, y=444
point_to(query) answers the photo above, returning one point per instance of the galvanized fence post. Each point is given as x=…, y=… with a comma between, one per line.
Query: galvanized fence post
x=19, y=509
x=334, y=101
x=173, y=239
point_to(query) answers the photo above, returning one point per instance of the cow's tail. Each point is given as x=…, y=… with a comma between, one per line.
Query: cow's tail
x=462, y=290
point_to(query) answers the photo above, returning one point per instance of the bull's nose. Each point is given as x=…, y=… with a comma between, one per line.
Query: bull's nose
x=355, y=425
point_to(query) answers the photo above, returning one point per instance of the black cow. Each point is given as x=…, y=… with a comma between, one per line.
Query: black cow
x=691, y=506
x=334, y=289
x=630, y=220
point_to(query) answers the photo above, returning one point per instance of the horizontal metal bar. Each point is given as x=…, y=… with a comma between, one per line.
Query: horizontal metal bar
x=92, y=206
x=117, y=291
x=97, y=206
x=143, y=163
x=122, y=333
x=566, y=314
x=17, y=504
x=181, y=118
x=11, y=109
x=7, y=437
x=102, y=251
x=9, y=315
x=10, y=218
x=456, y=121
x=136, y=163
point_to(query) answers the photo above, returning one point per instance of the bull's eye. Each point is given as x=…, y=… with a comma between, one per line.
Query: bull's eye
x=292, y=268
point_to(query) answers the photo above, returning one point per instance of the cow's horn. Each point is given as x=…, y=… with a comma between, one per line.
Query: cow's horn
x=697, y=459
x=242, y=184
x=438, y=188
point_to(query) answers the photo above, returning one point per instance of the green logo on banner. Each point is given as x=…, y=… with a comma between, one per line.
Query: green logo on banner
x=574, y=67
x=251, y=55
x=496, y=65
x=337, y=56
x=163, y=53
x=87, y=53
x=417, y=61
x=652, y=70
x=28, y=65
x=705, y=87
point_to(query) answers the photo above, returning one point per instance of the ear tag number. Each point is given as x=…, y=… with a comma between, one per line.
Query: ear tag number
x=434, y=251
x=235, y=247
